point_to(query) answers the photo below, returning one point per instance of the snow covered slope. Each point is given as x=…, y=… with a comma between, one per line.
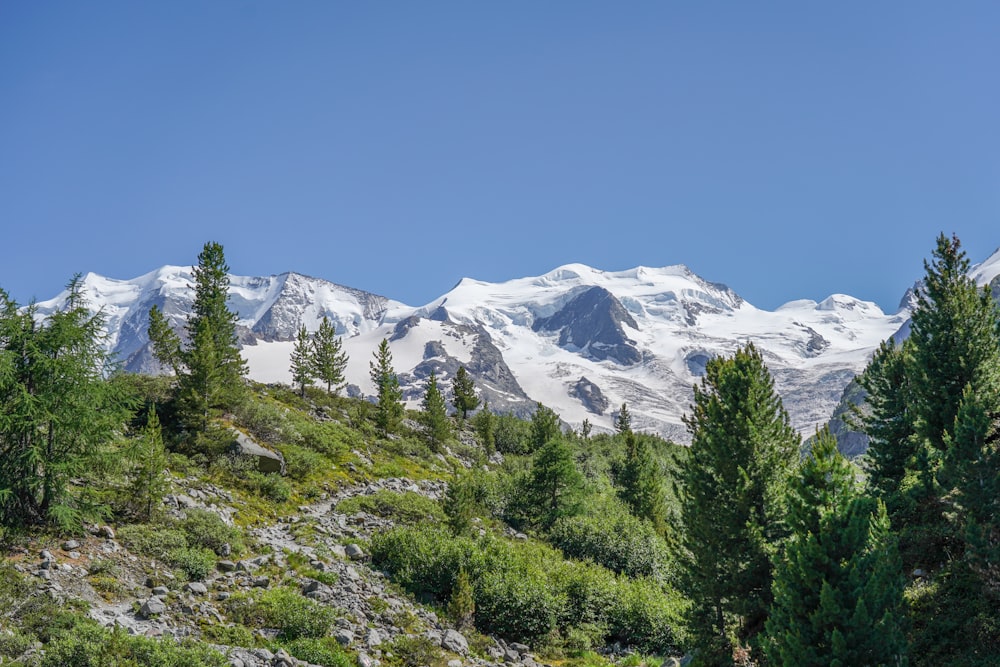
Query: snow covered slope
x=578, y=339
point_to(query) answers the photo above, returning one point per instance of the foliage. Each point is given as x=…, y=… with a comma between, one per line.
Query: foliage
x=485, y=423
x=58, y=414
x=413, y=651
x=555, y=486
x=90, y=645
x=323, y=651
x=435, y=416
x=206, y=529
x=544, y=427
x=463, y=393
x=838, y=587
x=389, y=408
x=329, y=361
x=640, y=481
x=301, y=361
x=149, y=484
x=462, y=605
x=406, y=507
x=617, y=540
x=284, y=609
x=743, y=450
x=195, y=562
x=512, y=435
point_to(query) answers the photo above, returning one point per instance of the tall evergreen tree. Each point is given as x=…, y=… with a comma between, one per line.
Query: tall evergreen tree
x=732, y=487
x=213, y=370
x=149, y=484
x=301, y=361
x=463, y=393
x=328, y=357
x=58, y=414
x=555, y=484
x=623, y=420
x=838, y=587
x=640, y=483
x=389, y=406
x=544, y=426
x=435, y=414
x=485, y=423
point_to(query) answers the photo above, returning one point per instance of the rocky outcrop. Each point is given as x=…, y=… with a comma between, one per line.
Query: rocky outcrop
x=592, y=322
x=590, y=395
x=265, y=460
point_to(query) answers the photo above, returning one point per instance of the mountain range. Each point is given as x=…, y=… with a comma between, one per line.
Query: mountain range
x=580, y=340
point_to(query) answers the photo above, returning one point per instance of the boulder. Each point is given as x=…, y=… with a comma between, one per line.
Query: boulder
x=266, y=460
x=152, y=607
x=454, y=641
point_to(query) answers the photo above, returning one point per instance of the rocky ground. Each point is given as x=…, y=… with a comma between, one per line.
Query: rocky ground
x=371, y=612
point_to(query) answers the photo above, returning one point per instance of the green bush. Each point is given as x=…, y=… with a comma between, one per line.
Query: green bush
x=273, y=487
x=301, y=462
x=518, y=606
x=406, y=507
x=14, y=642
x=512, y=435
x=89, y=645
x=323, y=651
x=206, y=529
x=619, y=542
x=424, y=560
x=157, y=541
x=195, y=562
x=416, y=651
x=293, y=615
x=647, y=616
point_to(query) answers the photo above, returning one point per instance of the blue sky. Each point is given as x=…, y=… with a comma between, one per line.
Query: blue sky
x=788, y=149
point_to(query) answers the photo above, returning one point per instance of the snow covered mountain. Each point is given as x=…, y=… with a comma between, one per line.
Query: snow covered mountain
x=578, y=339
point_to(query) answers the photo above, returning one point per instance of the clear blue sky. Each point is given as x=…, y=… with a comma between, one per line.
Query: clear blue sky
x=788, y=149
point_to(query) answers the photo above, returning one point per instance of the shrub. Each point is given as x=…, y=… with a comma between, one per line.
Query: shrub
x=647, y=616
x=517, y=606
x=291, y=614
x=414, y=651
x=619, y=542
x=195, y=562
x=319, y=651
x=301, y=462
x=273, y=487
x=151, y=540
x=406, y=507
x=89, y=645
x=207, y=530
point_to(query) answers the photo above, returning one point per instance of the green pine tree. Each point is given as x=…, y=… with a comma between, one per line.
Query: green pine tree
x=329, y=360
x=389, y=406
x=463, y=392
x=301, y=361
x=149, y=484
x=485, y=423
x=165, y=342
x=732, y=488
x=640, y=483
x=623, y=421
x=544, y=426
x=435, y=416
x=556, y=485
x=838, y=586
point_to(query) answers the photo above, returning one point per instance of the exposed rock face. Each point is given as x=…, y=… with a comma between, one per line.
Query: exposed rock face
x=590, y=395
x=265, y=460
x=592, y=322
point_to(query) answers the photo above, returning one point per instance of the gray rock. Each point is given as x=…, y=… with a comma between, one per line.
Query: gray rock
x=261, y=582
x=266, y=460
x=106, y=532
x=373, y=638
x=344, y=636
x=159, y=591
x=365, y=660
x=225, y=566
x=197, y=588
x=152, y=607
x=354, y=552
x=454, y=641
x=520, y=648
x=455, y=663
x=70, y=545
x=236, y=662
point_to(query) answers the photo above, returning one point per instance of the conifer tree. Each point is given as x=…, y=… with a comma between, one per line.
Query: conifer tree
x=389, y=406
x=640, y=483
x=555, y=484
x=301, y=361
x=149, y=484
x=463, y=392
x=585, y=429
x=485, y=423
x=623, y=421
x=58, y=413
x=732, y=488
x=435, y=416
x=838, y=586
x=544, y=426
x=212, y=370
x=328, y=357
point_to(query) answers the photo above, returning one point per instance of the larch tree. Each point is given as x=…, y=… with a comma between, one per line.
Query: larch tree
x=329, y=360
x=58, y=413
x=732, y=487
x=389, y=406
x=302, y=367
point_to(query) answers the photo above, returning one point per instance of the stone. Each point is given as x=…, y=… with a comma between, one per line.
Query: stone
x=159, y=591
x=261, y=582
x=354, y=552
x=454, y=641
x=265, y=460
x=310, y=586
x=225, y=550
x=344, y=636
x=373, y=638
x=226, y=566
x=107, y=532
x=74, y=555
x=455, y=663
x=365, y=660
x=520, y=648
x=70, y=545
x=236, y=662
x=152, y=607
x=197, y=588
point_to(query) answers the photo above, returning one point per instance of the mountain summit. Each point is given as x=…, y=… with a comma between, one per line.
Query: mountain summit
x=577, y=339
